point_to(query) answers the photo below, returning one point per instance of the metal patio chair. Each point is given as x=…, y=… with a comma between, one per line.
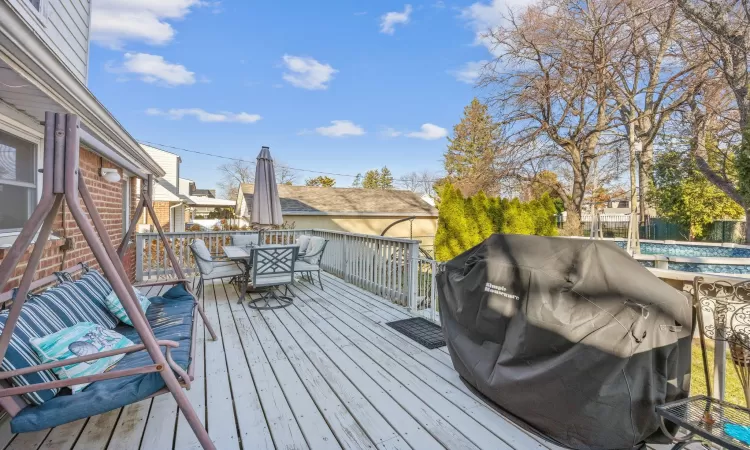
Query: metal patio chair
x=210, y=267
x=245, y=240
x=311, y=261
x=273, y=266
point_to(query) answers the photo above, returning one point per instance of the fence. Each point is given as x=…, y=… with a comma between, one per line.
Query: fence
x=386, y=266
x=616, y=226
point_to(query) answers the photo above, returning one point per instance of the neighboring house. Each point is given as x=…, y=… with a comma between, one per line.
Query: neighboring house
x=43, y=67
x=168, y=203
x=202, y=202
x=365, y=211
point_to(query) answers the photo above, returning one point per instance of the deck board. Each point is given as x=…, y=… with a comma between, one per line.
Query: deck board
x=324, y=373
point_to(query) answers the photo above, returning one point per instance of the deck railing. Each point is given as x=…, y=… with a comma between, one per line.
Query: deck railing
x=386, y=266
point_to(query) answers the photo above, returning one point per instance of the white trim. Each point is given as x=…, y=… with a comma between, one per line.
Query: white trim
x=40, y=15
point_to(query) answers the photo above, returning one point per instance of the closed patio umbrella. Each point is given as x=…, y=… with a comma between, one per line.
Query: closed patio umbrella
x=266, y=203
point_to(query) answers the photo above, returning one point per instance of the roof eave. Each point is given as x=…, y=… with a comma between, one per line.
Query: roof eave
x=22, y=50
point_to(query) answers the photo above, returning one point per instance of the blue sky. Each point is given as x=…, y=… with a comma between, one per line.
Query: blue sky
x=331, y=86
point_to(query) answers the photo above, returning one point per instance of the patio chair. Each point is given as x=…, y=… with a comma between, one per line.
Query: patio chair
x=311, y=261
x=211, y=268
x=303, y=242
x=245, y=240
x=273, y=266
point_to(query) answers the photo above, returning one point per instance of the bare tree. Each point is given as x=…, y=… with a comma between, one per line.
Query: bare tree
x=647, y=85
x=233, y=174
x=284, y=174
x=551, y=83
x=420, y=182
x=723, y=27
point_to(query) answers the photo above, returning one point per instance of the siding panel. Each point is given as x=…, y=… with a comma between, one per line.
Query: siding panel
x=63, y=26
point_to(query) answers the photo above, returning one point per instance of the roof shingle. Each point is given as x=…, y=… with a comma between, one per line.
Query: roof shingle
x=312, y=200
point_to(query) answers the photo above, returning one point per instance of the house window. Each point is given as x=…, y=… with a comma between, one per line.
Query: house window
x=36, y=4
x=17, y=181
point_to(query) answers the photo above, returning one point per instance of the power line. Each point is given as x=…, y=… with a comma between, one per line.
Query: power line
x=253, y=162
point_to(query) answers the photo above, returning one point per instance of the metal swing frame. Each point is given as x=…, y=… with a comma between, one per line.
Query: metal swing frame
x=63, y=180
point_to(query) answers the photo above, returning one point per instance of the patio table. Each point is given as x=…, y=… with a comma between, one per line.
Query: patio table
x=244, y=256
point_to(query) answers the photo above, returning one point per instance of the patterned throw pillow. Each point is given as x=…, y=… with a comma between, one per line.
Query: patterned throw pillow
x=115, y=306
x=83, y=339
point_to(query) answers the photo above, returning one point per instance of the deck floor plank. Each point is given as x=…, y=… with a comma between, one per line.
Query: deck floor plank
x=317, y=430
x=334, y=394
x=98, y=430
x=220, y=415
x=443, y=425
x=407, y=426
x=25, y=441
x=129, y=429
x=254, y=431
x=285, y=430
x=64, y=436
x=161, y=419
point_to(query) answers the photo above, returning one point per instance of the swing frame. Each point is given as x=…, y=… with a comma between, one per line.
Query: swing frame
x=63, y=180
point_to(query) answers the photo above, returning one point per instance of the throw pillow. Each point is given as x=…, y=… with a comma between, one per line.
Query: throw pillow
x=115, y=306
x=312, y=255
x=303, y=242
x=85, y=338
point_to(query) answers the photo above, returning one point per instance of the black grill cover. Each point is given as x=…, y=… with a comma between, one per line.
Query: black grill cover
x=572, y=336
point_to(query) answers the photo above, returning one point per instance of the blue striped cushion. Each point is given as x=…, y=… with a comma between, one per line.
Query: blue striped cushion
x=57, y=308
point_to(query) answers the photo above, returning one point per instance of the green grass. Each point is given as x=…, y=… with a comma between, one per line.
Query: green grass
x=733, y=392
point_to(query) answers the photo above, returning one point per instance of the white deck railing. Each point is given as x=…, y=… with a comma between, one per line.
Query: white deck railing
x=386, y=266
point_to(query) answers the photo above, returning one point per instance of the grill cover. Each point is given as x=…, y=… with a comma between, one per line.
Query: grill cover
x=572, y=336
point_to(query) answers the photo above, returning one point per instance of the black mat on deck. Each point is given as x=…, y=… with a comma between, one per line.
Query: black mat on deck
x=420, y=330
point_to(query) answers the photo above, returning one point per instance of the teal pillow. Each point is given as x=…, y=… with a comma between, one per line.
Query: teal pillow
x=117, y=310
x=82, y=339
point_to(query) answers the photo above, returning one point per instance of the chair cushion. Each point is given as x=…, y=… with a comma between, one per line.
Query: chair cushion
x=244, y=240
x=57, y=308
x=303, y=266
x=203, y=257
x=315, y=246
x=115, y=306
x=82, y=339
x=223, y=271
x=171, y=318
x=272, y=280
x=303, y=242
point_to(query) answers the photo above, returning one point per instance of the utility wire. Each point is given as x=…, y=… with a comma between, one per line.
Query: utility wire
x=253, y=162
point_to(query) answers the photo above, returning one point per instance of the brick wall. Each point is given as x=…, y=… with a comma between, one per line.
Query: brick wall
x=108, y=198
x=162, y=213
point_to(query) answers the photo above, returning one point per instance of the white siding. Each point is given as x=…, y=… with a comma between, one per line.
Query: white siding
x=64, y=26
x=179, y=219
x=167, y=187
x=184, y=186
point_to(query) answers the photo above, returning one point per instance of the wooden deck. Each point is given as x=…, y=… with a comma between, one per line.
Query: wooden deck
x=324, y=373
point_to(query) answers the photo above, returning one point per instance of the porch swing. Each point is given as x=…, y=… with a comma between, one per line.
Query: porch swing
x=160, y=362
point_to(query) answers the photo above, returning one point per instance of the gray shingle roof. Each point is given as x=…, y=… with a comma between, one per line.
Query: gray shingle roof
x=309, y=200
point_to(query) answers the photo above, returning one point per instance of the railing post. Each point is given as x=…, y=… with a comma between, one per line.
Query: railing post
x=346, y=258
x=138, y=257
x=413, y=276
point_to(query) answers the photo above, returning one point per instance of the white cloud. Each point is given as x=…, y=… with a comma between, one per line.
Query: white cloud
x=114, y=22
x=205, y=116
x=307, y=73
x=429, y=132
x=484, y=16
x=341, y=128
x=388, y=21
x=390, y=133
x=470, y=71
x=154, y=69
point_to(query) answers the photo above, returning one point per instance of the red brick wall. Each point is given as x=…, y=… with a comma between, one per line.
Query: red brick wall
x=108, y=199
x=162, y=213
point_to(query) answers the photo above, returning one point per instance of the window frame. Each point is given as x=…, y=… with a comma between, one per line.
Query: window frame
x=35, y=138
x=39, y=14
